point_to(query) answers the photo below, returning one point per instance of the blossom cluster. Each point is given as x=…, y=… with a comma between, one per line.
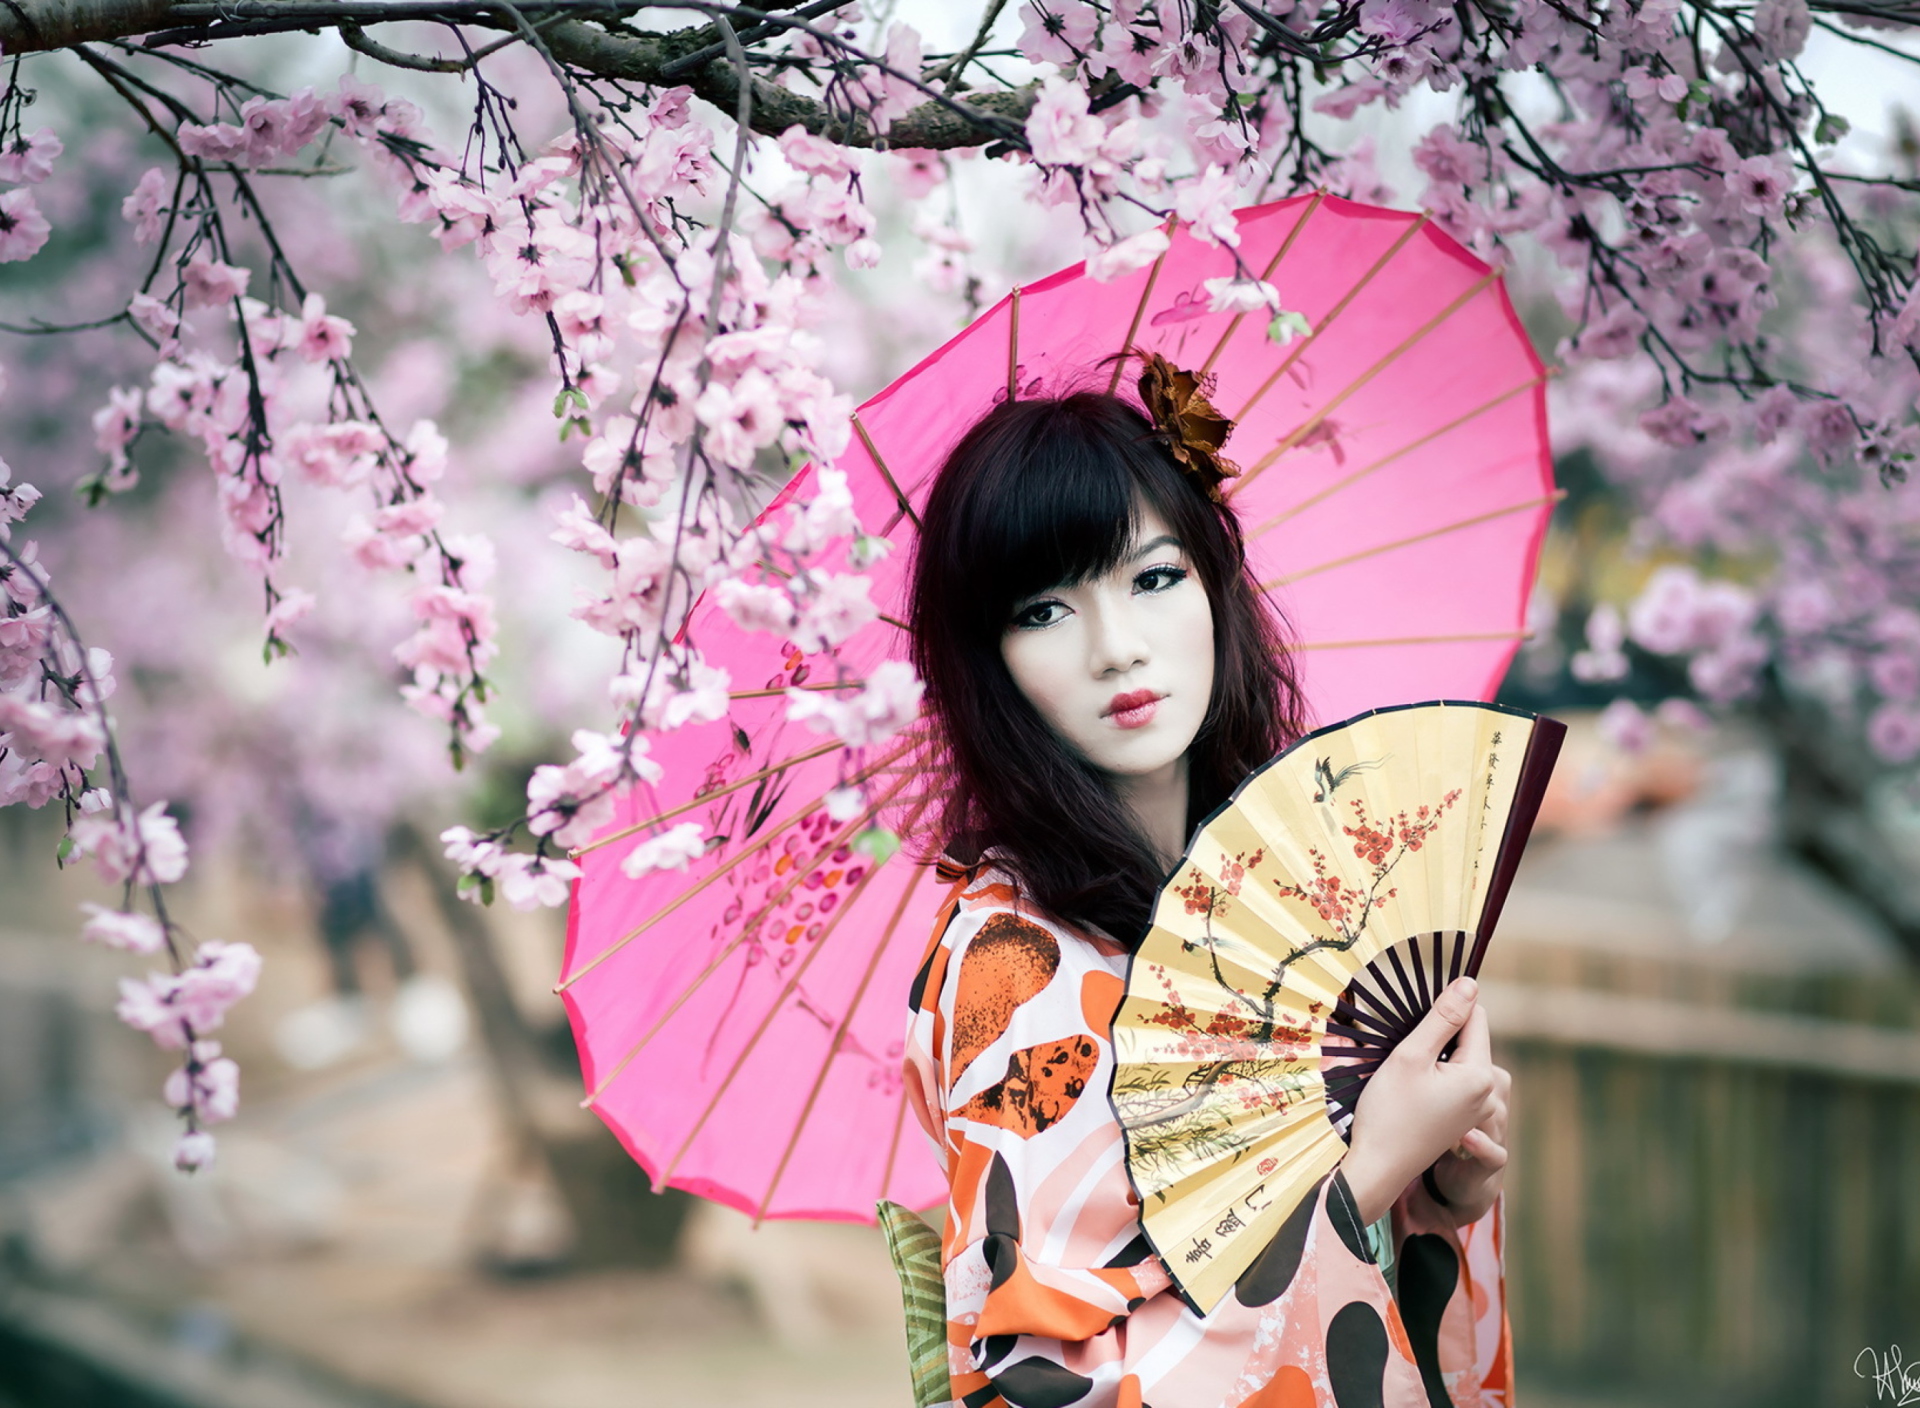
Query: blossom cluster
x=54, y=736
x=250, y=399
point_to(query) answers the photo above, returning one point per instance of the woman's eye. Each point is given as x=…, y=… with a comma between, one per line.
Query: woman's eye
x=1041, y=613
x=1158, y=579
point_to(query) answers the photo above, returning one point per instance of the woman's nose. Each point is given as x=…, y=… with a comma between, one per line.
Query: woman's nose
x=1118, y=642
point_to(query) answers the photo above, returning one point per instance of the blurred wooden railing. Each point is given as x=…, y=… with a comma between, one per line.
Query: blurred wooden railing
x=1715, y=1196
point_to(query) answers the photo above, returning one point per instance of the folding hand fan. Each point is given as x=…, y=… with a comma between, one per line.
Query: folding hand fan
x=1310, y=925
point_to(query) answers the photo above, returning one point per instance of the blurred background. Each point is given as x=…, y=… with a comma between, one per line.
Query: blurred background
x=1705, y=981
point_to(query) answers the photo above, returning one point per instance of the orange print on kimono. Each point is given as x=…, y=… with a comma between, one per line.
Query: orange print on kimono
x=1010, y=960
x=1043, y=1083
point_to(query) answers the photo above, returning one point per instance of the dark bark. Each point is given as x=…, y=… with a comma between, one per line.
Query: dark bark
x=599, y=46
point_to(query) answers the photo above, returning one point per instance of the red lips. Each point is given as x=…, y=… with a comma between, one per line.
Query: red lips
x=1128, y=703
x=1135, y=710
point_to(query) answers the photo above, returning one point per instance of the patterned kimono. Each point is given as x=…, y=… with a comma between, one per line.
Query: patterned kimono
x=1053, y=1295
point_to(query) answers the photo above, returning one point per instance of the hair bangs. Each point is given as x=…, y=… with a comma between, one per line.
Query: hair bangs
x=1059, y=500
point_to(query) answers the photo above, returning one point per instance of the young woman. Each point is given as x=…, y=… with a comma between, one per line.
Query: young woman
x=1102, y=672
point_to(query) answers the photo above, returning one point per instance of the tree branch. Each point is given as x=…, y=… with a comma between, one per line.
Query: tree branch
x=657, y=60
x=29, y=26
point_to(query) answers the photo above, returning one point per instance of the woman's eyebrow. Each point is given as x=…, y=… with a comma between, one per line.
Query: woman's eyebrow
x=1164, y=540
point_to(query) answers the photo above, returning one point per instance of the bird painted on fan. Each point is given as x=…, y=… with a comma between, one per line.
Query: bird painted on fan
x=1331, y=781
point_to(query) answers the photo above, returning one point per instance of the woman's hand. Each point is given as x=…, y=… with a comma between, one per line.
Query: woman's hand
x=1470, y=1176
x=1417, y=1107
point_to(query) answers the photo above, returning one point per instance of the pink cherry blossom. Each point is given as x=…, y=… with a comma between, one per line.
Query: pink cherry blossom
x=673, y=849
x=1057, y=31
x=28, y=159
x=1664, y=618
x=828, y=516
x=219, y=141
x=889, y=702
x=49, y=731
x=194, y=1151
x=116, y=423
x=210, y=283
x=1683, y=422
x=1603, y=659
x=23, y=229
x=1626, y=726
x=1231, y=294
x=1124, y=256
x=1060, y=130
x=155, y=318
x=220, y=975
x=136, y=933
x=323, y=338
x=1616, y=333
x=814, y=155
x=833, y=611
x=147, y=850
x=1647, y=88
x=1829, y=427
x=293, y=606
x=529, y=883
x=149, y=1005
x=1760, y=184
x=358, y=105
x=338, y=455
x=209, y=1089
x=683, y=691
x=1782, y=27
x=1450, y=161
x=1207, y=204
x=756, y=607
x=1398, y=22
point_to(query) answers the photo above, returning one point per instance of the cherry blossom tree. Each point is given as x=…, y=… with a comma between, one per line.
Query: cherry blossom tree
x=670, y=197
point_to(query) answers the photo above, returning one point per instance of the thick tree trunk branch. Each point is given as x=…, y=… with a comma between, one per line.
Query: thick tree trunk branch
x=30, y=26
x=968, y=120
x=994, y=116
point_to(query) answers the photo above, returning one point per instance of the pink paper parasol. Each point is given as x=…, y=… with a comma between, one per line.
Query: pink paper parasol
x=740, y=1023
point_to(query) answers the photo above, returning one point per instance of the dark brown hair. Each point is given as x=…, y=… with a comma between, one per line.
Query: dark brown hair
x=1046, y=492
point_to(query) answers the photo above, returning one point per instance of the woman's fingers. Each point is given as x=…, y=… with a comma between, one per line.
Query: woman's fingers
x=1451, y=1011
x=1484, y=1150
x=1476, y=1047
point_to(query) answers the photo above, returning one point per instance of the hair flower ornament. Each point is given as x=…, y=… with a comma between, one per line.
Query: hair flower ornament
x=1176, y=402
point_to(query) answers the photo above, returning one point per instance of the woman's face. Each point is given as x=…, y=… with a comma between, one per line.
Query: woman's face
x=1121, y=666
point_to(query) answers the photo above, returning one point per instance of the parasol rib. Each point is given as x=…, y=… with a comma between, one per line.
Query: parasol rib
x=1266, y=274
x=1013, y=344
x=1140, y=308
x=1320, y=328
x=1464, y=636
x=1413, y=339
x=746, y=932
x=839, y=1036
x=693, y=890
x=885, y=473
x=597, y=842
x=771, y=693
x=1385, y=460
x=1440, y=532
